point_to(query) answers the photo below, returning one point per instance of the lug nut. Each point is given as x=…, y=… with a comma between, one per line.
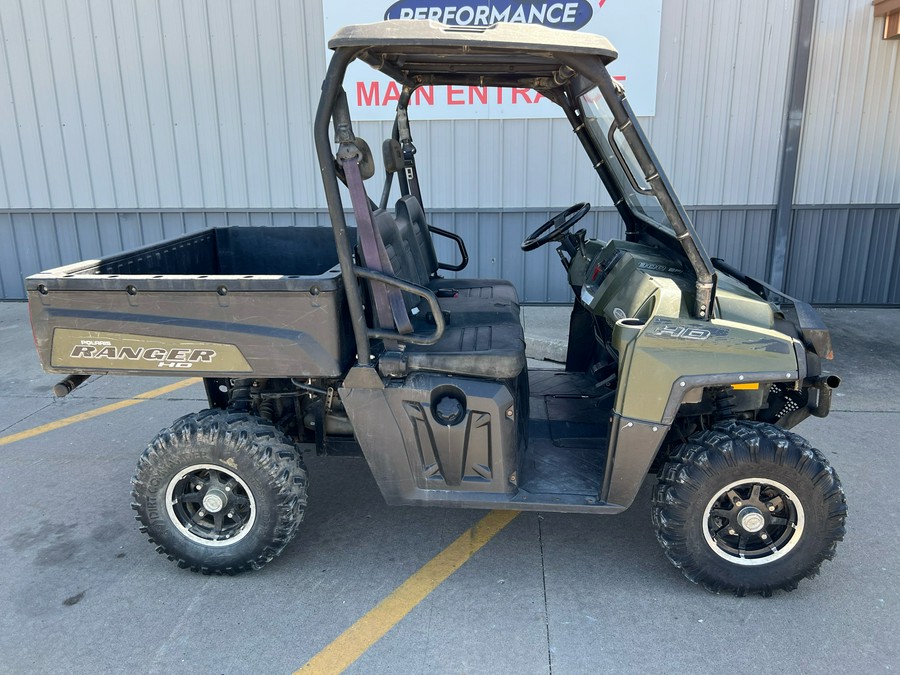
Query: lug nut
x=731, y=532
x=771, y=507
x=739, y=503
x=227, y=488
x=763, y=536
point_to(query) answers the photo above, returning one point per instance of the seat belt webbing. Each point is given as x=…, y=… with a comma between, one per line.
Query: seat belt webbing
x=390, y=309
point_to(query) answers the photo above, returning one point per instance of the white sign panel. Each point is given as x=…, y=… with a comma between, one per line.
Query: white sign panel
x=631, y=25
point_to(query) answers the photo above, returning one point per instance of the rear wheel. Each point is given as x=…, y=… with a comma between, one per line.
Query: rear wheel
x=220, y=492
x=747, y=507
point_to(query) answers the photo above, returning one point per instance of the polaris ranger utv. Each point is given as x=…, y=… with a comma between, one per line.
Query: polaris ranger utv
x=350, y=341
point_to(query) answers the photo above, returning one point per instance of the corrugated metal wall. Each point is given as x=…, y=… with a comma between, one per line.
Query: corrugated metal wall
x=845, y=245
x=850, y=153
x=130, y=104
x=122, y=121
x=720, y=102
x=134, y=104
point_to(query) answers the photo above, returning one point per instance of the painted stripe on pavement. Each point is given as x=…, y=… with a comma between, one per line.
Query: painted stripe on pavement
x=353, y=642
x=96, y=412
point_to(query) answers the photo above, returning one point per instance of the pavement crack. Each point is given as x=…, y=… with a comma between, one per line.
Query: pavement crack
x=180, y=633
x=544, y=583
x=442, y=542
x=31, y=414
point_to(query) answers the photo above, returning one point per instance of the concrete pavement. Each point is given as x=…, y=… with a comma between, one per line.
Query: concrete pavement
x=83, y=591
x=546, y=332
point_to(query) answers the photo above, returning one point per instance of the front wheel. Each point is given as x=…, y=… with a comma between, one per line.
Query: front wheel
x=220, y=492
x=747, y=507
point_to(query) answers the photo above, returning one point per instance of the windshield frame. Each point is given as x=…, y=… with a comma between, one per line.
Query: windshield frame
x=682, y=234
x=618, y=156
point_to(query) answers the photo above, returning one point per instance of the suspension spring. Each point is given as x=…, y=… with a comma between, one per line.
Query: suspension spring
x=725, y=403
x=266, y=409
x=239, y=396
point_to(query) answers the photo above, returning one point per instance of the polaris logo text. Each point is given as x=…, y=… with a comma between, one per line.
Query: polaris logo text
x=569, y=14
x=165, y=358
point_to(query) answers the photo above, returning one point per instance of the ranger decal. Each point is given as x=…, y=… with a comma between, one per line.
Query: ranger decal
x=89, y=351
x=172, y=358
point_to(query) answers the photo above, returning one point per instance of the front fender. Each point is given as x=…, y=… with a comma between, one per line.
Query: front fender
x=671, y=357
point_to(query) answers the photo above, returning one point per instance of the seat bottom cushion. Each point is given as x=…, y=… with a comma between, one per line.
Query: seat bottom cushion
x=495, y=351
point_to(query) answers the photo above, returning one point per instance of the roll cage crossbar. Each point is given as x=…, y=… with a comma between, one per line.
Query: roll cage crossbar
x=558, y=64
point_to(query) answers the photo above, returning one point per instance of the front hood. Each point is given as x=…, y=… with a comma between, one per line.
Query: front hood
x=735, y=302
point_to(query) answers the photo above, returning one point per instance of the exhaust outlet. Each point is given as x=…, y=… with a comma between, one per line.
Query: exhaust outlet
x=67, y=386
x=824, y=386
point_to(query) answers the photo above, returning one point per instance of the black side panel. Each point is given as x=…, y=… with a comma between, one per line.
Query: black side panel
x=436, y=433
x=193, y=254
x=460, y=433
x=448, y=441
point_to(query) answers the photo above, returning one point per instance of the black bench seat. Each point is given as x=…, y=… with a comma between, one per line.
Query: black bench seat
x=491, y=351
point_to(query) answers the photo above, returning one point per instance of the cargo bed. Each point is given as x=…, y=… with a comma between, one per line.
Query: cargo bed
x=241, y=301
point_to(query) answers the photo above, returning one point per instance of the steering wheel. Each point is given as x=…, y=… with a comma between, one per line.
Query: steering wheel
x=558, y=226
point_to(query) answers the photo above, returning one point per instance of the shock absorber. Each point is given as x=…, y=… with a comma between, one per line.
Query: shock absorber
x=266, y=409
x=725, y=404
x=239, y=396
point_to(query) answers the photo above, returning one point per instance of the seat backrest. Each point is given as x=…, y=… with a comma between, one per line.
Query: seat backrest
x=410, y=211
x=403, y=263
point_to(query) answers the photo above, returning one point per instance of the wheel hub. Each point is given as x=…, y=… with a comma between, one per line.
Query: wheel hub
x=211, y=505
x=214, y=500
x=751, y=519
x=754, y=521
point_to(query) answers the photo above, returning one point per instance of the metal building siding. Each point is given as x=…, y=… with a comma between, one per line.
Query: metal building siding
x=717, y=129
x=721, y=95
x=123, y=122
x=124, y=104
x=850, y=149
x=168, y=104
x=845, y=244
x=846, y=255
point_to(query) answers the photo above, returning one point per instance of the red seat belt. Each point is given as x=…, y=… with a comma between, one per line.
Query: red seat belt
x=390, y=309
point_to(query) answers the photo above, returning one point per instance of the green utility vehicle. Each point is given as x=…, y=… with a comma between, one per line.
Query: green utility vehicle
x=349, y=341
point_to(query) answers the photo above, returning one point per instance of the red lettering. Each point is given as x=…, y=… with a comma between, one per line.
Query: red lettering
x=426, y=94
x=516, y=92
x=620, y=78
x=453, y=92
x=538, y=96
x=478, y=92
x=392, y=94
x=366, y=97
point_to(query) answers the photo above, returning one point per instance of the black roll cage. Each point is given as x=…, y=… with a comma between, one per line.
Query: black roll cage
x=576, y=73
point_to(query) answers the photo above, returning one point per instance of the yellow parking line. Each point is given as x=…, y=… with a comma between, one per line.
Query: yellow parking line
x=353, y=642
x=96, y=412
